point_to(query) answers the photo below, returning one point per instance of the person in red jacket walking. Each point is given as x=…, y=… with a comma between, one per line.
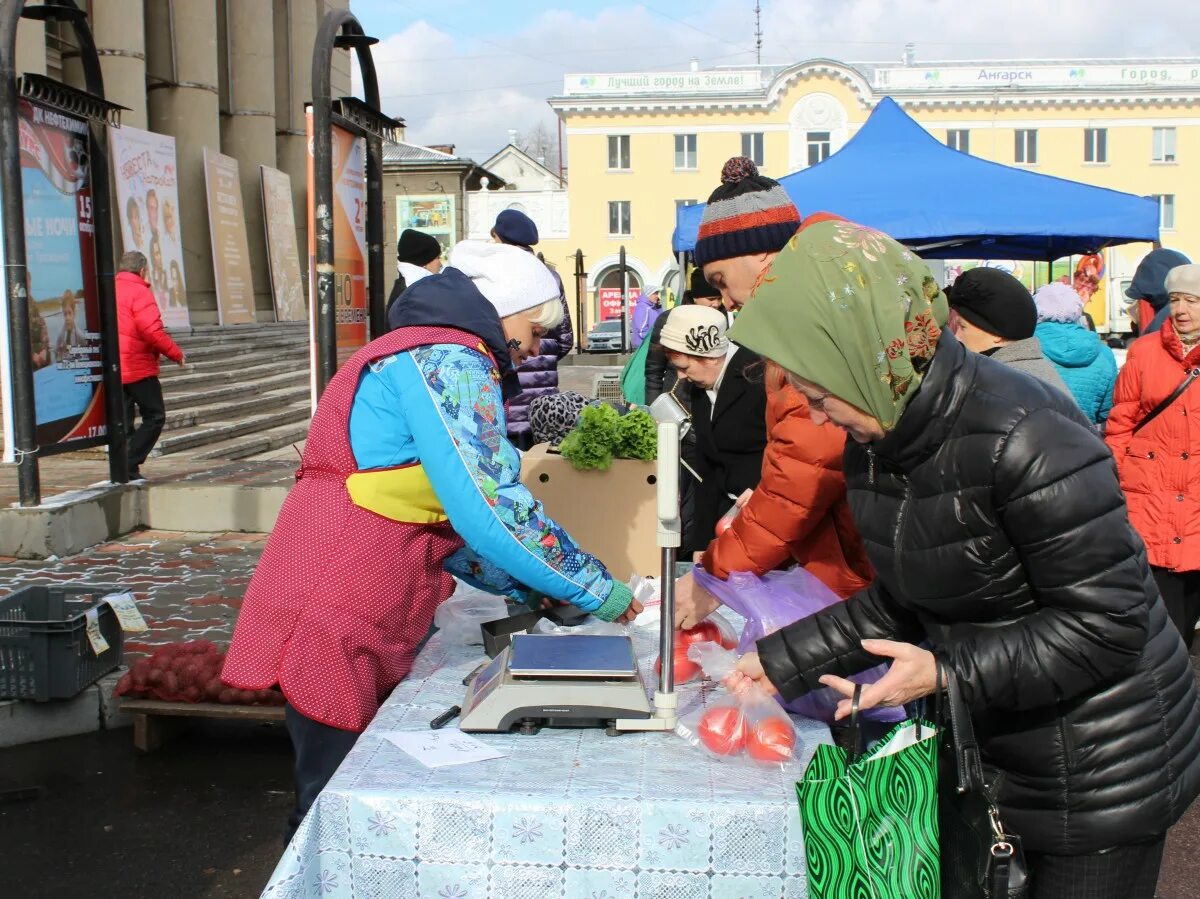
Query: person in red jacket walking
x=1157, y=447
x=142, y=341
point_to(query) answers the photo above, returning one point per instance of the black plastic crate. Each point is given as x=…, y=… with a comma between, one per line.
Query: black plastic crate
x=44, y=649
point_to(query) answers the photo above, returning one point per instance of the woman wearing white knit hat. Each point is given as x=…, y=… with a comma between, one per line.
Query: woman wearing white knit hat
x=729, y=410
x=407, y=478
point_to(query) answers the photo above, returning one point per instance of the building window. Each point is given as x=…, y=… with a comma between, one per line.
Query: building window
x=959, y=139
x=685, y=151
x=1095, y=145
x=1166, y=211
x=619, y=224
x=818, y=146
x=752, y=147
x=1164, y=145
x=679, y=204
x=1025, y=151
x=618, y=152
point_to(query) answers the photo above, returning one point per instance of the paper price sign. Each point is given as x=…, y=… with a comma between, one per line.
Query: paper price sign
x=99, y=644
x=127, y=612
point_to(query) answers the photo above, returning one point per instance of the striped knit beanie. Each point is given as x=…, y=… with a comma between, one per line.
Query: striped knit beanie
x=748, y=214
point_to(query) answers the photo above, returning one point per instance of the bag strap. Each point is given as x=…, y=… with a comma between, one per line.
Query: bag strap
x=856, y=739
x=1175, y=394
x=962, y=731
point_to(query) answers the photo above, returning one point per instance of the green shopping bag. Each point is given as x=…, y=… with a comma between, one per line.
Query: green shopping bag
x=871, y=823
x=633, y=375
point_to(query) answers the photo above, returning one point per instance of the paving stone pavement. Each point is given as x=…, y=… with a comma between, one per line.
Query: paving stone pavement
x=188, y=586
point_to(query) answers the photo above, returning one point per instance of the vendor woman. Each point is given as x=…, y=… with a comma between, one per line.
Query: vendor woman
x=407, y=478
x=729, y=410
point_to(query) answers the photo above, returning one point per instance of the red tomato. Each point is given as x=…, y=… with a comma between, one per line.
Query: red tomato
x=685, y=668
x=704, y=632
x=723, y=730
x=771, y=740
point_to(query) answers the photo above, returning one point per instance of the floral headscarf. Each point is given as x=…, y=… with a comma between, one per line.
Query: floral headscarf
x=850, y=309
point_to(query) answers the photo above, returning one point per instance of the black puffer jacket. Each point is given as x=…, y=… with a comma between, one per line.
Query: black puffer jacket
x=993, y=517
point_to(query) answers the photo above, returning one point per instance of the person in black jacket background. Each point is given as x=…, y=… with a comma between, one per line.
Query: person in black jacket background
x=729, y=411
x=418, y=255
x=660, y=377
x=1000, y=538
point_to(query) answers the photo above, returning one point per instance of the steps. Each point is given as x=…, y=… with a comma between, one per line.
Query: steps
x=243, y=391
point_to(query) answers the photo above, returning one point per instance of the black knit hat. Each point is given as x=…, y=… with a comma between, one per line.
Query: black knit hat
x=748, y=214
x=698, y=287
x=996, y=302
x=417, y=247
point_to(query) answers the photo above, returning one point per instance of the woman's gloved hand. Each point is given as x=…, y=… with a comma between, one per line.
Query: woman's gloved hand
x=620, y=606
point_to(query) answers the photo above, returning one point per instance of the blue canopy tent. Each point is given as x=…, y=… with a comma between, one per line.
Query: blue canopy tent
x=895, y=176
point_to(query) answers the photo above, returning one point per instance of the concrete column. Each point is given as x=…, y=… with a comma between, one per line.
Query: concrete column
x=248, y=130
x=340, y=67
x=182, y=66
x=295, y=34
x=118, y=27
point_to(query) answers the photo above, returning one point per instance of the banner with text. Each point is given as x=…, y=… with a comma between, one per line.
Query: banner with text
x=231, y=251
x=64, y=305
x=147, y=183
x=282, y=253
x=349, y=241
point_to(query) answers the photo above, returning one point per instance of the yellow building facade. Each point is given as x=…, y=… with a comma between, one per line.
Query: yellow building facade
x=638, y=144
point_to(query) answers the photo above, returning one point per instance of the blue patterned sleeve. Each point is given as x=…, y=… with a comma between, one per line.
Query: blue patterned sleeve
x=454, y=408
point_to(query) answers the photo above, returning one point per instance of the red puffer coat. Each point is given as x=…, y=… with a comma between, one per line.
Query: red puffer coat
x=799, y=510
x=140, y=329
x=1160, y=465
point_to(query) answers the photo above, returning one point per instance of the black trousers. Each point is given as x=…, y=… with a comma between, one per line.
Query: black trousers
x=319, y=749
x=1127, y=872
x=147, y=397
x=1181, y=595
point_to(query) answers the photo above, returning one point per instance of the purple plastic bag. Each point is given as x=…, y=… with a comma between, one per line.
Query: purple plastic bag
x=774, y=601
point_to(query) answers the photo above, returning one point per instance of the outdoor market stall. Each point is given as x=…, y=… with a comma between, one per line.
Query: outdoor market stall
x=895, y=176
x=571, y=813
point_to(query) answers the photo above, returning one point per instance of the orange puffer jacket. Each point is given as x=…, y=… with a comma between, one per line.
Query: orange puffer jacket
x=799, y=510
x=1160, y=465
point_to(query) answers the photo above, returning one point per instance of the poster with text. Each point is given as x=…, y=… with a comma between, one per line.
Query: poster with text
x=282, y=253
x=349, y=215
x=431, y=213
x=147, y=188
x=610, y=303
x=231, y=250
x=64, y=307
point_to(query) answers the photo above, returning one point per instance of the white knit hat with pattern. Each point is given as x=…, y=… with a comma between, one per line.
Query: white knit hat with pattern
x=696, y=331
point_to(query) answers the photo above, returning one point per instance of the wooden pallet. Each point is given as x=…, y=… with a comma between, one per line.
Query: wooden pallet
x=154, y=719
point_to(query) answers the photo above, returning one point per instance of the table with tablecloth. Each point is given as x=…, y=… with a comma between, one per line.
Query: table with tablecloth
x=566, y=813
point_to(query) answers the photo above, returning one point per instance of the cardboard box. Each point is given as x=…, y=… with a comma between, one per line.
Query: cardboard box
x=610, y=514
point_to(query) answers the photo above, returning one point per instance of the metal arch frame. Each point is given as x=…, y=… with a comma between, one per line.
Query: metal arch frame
x=341, y=29
x=15, y=260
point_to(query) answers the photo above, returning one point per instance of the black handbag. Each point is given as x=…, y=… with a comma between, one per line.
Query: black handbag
x=979, y=858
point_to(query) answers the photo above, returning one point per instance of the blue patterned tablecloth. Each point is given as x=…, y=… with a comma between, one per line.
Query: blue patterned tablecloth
x=567, y=813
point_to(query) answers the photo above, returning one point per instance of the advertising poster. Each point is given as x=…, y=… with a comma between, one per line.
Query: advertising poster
x=147, y=190
x=349, y=242
x=610, y=303
x=282, y=253
x=64, y=308
x=231, y=251
x=431, y=213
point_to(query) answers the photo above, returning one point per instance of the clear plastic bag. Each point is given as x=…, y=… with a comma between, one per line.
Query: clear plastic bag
x=713, y=629
x=459, y=617
x=774, y=601
x=747, y=724
x=591, y=625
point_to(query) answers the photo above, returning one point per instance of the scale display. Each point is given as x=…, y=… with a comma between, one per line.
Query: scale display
x=579, y=655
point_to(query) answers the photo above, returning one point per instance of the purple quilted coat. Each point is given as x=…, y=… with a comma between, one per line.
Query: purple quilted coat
x=539, y=374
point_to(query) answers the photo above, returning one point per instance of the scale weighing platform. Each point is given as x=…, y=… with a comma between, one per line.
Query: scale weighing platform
x=543, y=680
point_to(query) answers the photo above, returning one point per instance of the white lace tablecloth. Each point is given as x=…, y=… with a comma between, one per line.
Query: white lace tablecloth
x=567, y=813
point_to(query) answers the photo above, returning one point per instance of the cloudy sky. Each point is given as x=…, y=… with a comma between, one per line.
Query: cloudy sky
x=466, y=71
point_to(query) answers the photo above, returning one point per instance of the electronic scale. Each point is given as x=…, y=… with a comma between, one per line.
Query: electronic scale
x=587, y=680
